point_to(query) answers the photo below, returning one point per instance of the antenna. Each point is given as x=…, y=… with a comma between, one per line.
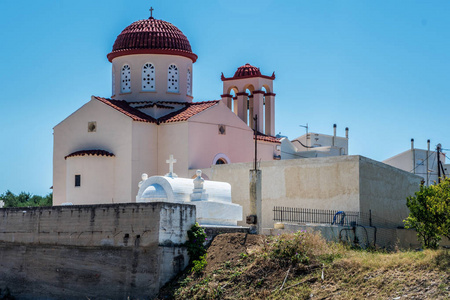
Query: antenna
x=305, y=126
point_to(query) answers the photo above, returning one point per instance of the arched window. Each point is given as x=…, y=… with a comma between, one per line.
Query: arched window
x=148, y=77
x=172, y=79
x=125, y=79
x=221, y=161
x=188, y=82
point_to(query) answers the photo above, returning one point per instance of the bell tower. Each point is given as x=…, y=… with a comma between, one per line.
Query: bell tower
x=249, y=93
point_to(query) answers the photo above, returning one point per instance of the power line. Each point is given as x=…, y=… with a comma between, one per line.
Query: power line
x=422, y=162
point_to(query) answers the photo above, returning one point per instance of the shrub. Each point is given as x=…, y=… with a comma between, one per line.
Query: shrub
x=199, y=265
x=430, y=213
x=301, y=247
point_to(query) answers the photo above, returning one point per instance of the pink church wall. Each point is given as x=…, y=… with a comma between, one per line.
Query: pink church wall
x=237, y=143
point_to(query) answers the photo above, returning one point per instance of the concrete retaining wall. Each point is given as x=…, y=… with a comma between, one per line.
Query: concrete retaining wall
x=100, y=251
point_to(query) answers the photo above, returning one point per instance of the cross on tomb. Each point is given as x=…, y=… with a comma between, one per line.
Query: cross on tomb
x=151, y=12
x=171, y=161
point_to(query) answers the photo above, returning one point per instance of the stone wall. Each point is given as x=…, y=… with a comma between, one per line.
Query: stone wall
x=99, y=252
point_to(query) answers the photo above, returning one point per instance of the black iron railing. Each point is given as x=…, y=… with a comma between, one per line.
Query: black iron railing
x=331, y=217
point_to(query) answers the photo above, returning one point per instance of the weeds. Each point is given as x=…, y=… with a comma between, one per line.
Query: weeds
x=291, y=266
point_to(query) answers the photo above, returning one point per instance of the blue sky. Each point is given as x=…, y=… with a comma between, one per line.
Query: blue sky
x=380, y=68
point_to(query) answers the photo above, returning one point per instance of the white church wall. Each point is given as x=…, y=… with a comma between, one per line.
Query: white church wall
x=173, y=139
x=96, y=181
x=161, y=63
x=144, y=153
x=112, y=133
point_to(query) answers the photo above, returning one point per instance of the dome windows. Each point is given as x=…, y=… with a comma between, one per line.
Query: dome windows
x=188, y=83
x=125, y=79
x=148, y=77
x=172, y=79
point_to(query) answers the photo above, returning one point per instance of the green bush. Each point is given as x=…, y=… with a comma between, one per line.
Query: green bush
x=430, y=213
x=199, y=265
x=301, y=247
x=196, y=242
x=25, y=199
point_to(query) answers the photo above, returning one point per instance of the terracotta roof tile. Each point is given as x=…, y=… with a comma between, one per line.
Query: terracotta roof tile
x=267, y=138
x=125, y=108
x=247, y=71
x=90, y=152
x=151, y=36
x=189, y=111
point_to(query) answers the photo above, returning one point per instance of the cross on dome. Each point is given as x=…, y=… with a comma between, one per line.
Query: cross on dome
x=171, y=161
x=151, y=12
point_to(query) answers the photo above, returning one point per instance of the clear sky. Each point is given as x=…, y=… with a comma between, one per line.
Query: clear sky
x=380, y=68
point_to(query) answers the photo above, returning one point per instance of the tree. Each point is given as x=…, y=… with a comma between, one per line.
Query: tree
x=25, y=199
x=430, y=213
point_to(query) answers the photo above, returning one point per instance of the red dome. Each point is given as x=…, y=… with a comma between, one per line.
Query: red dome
x=247, y=70
x=151, y=36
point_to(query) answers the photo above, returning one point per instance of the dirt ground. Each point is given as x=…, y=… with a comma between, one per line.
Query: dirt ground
x=229, y=247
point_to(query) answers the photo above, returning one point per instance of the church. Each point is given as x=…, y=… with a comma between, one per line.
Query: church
x=101, y=150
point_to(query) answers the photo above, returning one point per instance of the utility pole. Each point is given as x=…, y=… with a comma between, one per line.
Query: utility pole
x=255, y=217
x=256, y=142
x=438, y=153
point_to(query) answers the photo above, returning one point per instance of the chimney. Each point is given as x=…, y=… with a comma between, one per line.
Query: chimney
x=413, y=156
x=428, y=166
x=346, y=132
x=334, y=133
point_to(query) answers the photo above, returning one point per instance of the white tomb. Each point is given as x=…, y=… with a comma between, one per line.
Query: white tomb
x=211, y=198
x=2, y=203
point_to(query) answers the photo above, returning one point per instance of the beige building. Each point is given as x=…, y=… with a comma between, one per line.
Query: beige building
x=101, y=150
x=314, y=144
x=424, y=163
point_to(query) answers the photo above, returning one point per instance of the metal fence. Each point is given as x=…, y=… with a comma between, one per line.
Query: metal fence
x=331, y=217
x=362, y=229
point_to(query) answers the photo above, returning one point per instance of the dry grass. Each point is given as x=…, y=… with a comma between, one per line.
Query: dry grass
x=256, y=267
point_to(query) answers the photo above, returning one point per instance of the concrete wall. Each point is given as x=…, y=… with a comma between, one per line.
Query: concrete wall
x=323, y=183
x=351, y=183
x=384, y=189
x=103, y=251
